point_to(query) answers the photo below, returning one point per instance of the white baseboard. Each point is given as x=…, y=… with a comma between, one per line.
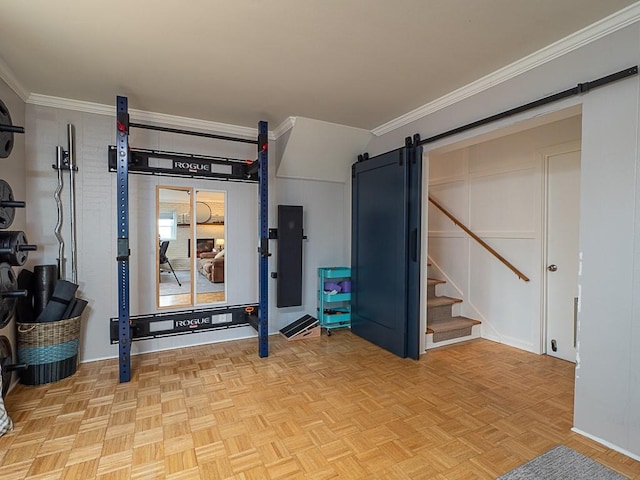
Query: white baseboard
x=514, y=342
x=606, y=444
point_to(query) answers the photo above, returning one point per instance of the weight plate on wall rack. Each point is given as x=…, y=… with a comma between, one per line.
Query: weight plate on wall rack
x=7, y=214
x=14, y=247
x=6, y=138
x=8, y=282
x=6, y=357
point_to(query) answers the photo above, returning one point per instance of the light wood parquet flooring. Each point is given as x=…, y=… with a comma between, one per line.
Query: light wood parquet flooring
x=185, y=299
x=331, y=407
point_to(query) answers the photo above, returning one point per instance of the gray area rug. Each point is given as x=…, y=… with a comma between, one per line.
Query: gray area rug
x=562, y=463
x=169, y=286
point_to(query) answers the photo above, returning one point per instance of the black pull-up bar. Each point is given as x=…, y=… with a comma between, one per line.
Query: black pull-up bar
x=578, y=89
x=194, y=134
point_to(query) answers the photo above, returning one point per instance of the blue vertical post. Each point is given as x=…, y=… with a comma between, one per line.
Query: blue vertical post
x=263, y=193
x=122, y=148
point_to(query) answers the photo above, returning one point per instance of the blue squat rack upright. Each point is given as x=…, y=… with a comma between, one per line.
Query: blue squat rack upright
x=122, y=165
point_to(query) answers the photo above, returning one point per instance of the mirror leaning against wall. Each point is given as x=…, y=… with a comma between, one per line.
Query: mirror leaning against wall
x=191, y=247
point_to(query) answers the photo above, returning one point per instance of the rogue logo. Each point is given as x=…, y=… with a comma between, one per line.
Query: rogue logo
x=192, y=166
x=193, y=322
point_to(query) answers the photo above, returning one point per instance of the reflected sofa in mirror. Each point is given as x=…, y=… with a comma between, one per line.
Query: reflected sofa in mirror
x=174, y=265
x=210, y=247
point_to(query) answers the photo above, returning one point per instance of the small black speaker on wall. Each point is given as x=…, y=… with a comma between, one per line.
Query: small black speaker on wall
x=289, y=263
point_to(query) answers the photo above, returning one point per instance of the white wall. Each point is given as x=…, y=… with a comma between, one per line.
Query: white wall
x=607, y=380
x=324, y=220
x=96, y=223
x=495, y=188
x=12, y=171
x=607, y=396
x=324, y=211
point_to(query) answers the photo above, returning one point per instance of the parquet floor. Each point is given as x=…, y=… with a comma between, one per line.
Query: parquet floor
x=333, y=407
x=185, y=299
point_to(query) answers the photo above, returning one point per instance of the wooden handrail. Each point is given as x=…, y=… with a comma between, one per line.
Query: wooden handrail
x=479, y=240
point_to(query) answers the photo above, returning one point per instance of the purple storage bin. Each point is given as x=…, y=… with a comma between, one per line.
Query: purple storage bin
x=330, y=286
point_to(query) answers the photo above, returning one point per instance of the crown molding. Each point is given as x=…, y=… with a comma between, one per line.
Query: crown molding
x=191, y=123
x=144, y=116
x=589, y=34
x=10, y=79
x=284, y=127
x=70, y=104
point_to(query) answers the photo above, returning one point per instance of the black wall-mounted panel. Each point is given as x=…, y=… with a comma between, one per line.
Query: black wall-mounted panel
x=289, y=287
x=173, y=164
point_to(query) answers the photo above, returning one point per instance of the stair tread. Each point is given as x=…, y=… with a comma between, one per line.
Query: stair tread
x=435, y=281
x=442, y=301
x=454, y=323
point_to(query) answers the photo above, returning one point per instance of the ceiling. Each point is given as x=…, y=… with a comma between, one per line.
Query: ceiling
x=360, y=63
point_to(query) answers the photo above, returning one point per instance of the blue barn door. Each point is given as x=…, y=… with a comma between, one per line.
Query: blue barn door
x=385, y=250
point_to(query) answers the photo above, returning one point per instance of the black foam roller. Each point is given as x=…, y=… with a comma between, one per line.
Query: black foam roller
x=43, y=282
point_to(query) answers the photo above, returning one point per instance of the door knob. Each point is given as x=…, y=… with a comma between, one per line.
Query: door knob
x=552, y=268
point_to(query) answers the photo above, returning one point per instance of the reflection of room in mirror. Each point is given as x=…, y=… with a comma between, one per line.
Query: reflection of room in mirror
x=210, y=237
x=174, y=235
x=191, y=268
x=203, y=212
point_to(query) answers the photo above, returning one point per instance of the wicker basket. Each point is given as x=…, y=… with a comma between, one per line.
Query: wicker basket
x=50, y=350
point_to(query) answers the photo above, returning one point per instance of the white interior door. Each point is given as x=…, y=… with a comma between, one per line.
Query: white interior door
x=563, y=215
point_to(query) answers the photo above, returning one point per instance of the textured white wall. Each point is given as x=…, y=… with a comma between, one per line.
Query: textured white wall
x=324, y=224
x=324, y=212
x=96, y=223
x=495, y=188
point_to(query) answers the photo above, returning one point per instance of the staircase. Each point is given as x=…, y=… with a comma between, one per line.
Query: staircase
x=442, y=327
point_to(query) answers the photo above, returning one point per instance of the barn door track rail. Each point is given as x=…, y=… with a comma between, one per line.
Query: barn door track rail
x=570, y=92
